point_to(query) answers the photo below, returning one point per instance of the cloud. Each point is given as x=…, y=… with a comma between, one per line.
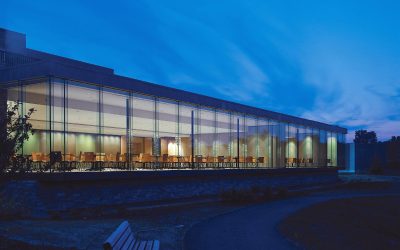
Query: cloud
x=365, y=96
x=315, y=59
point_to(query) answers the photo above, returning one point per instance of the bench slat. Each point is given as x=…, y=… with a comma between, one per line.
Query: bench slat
x=129, y=242
x=149, y=245
x=156, y=245
x=113, y=238
x=130, y=245
x=137, y=244
x=142, y=245
x=120, y=243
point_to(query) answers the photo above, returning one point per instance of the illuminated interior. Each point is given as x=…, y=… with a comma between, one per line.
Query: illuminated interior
x=74, y=118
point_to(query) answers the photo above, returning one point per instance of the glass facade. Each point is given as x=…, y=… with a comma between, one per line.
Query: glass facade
x=97, y=124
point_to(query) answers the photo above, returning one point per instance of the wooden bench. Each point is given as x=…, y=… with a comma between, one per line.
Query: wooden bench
x=123, y=238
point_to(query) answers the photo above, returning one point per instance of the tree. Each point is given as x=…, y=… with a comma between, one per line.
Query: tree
x=365, y=137
x=16, y=129
x=395, y=139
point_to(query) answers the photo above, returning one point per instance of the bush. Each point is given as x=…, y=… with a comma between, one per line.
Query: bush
x=237, y=196
x=376, y=170
x=268, y=193
x=255, y=193
x=11, y=208
x=281, y=192
x=376, y=167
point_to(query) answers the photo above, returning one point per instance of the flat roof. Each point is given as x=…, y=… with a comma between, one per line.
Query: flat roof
x=41, y=64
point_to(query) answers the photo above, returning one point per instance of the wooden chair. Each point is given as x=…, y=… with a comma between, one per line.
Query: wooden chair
x=221, y=160
x=90, y=159
x=198, y=160
x=146, y=160
x=165, y=161
x=250, y=162
x=123, y=238
x=72, y=161
x=211, y=161
x=230, y=161
x=241, y=161
x=260, y=160
x=123, y=164
x=173, y=160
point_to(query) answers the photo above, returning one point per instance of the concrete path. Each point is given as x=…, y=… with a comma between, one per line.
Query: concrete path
x=255, y=227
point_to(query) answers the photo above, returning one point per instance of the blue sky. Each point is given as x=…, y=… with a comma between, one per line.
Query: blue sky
x=332, y=61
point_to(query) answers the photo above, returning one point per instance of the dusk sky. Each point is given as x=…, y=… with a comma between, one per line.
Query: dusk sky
x=336, y=62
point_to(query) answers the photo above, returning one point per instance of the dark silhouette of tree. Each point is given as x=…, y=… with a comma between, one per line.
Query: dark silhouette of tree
x=365, y=137
x=17, y=129
x=395, y=139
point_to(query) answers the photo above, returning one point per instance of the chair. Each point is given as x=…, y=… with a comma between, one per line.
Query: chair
x=55, y=160
x=210, y=161
x=36, y=160
x=90, y=158
x=165, y=161
x=72, y=161
x=221, y=160
x=123, y=164
x=250, y=161
x=146, y=160
x=173, y=160
x=241, y=161
x=230, y=161
x=260, y=160
x=198, y=159
x=186, y=161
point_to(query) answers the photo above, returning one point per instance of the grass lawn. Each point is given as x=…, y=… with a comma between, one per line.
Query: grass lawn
x=356, y=223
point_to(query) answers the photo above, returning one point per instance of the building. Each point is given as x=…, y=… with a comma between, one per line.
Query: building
x=89, y=114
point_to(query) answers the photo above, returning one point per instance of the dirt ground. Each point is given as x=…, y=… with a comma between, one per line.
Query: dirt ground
x=356, y=223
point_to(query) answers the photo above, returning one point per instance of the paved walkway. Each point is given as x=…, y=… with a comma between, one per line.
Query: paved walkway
x=255, y=227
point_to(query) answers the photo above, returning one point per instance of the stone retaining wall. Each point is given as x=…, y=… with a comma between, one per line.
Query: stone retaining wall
x=60, y=193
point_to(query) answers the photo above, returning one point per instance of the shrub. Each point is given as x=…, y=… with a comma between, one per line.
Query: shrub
x=281, y=192
x=267, y=193
x=376, y=170
x=237, y=196
x=11, y=208
x=376, y=167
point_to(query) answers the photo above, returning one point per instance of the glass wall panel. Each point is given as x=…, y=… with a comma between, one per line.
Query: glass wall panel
x=315, y=141
x=145, y=140
x=341, y=150
x=238, y=138
x=206, y=132
x=35, y=95
x=264, y=143
x=223, y=144
x=291, y=146
x=305, y=146
x=281, y=145
x=83, y=119
x=323, y=160
x=169, y=128
x=251, y=141
x=185, y=130
x=115, y=135
x=332, y=149
x=57, y=116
